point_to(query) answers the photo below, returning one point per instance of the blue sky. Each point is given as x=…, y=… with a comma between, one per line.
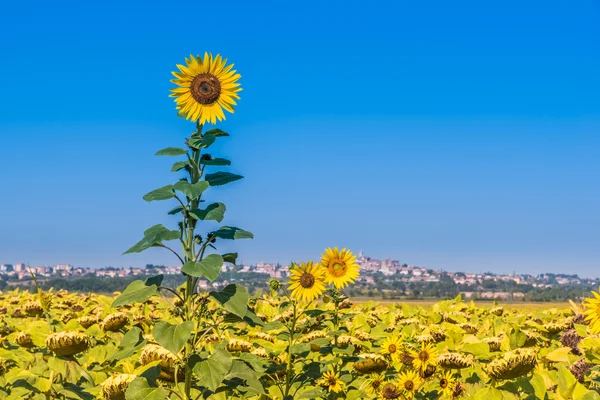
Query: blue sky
x=462, y=136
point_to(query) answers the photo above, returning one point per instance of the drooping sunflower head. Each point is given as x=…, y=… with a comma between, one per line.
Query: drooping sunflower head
x=446, y=384
x=23, y=339
x=340, y=266
x=513, y=364
x=205, y=87
x=372, y=363
x=168, y=361
x=390, y=390
x=592, y=312
x=114, y=322
x=114, y=387
x=425, y=357
x=306, y=281
x=409, y=383
x=331, y=380
x=239, y=345
x=67, y=343
x=453, y=360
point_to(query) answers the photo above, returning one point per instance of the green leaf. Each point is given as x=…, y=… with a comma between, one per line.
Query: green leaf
x=179, y=165
x=202, y=142
x=209, y=267
x=234, y=299
x=216, y=132
x=517, y=339
x=137, y=292
x=140, y=389
x=172, y=337
x=154, y=236
x=193, y=191
x=213, y=370
x=162, y=193
x=214, y=212
x=215, y=161
x=242, y=371
x=230, y=258
x=559, y=355
x=539, y=385
x=222, y=178
x=171, y=151
x=131, y=342
x=232, y=233
x=175, y=210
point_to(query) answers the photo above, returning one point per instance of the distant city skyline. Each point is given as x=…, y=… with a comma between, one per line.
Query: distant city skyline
x=462, y=137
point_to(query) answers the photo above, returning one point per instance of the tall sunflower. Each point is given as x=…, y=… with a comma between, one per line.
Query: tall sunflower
x=205, y=87
x=425, y=357
x=409, y=383
x=340, y=266
x=306, y=281
x=592, y=312
x=446, y=385
x=331, y=380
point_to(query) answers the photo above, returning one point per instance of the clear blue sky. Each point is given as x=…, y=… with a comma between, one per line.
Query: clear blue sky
x=458, y=135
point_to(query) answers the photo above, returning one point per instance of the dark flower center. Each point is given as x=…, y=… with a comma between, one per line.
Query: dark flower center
x=423, y=356
x=205, y=88
x=307, y=280
x=443, y=383
x=409, y=385
x=389, y=391
x=392, y=348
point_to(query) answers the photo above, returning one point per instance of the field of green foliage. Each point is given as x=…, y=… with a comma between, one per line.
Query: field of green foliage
x=76, y=346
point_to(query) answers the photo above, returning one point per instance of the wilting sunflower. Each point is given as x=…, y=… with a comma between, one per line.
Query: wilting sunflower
x=408, y=383
x=592, y=312
x=205, y=87
x=392, y=346
x=307, y=281
x=340, y=266
x=425, y=357
x=331, y=380
x=446, y=385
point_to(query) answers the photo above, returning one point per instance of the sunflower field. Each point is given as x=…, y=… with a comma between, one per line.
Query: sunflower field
x=84, y=346
x=303, y=340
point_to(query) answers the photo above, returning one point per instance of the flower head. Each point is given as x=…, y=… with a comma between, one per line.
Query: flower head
x=114, y=388
x=374, y=384
x=340, y=266
x=392, y=346
x=67, y=343
x=205, y=87
x=331, y=381
x=114, y=322
x=425, y=357
x=306, y=281
x=592, y=311
x=409, y=383
x=513, y=364
x=446, y=384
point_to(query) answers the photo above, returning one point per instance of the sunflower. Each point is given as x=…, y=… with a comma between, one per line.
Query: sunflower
x=374, y=384
x=306, y=281
x=592, y=311
x=408, y=383
x=331, y=380
x=341, y=267
x=425, y=357
x=392, y=346
x=446, y=385
x=205, y=88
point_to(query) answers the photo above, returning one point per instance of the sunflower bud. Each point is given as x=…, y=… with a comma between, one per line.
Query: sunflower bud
x=275, y=285
x=114, y=322
x=513, y=364
x=67, y=343
x=454, y=360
